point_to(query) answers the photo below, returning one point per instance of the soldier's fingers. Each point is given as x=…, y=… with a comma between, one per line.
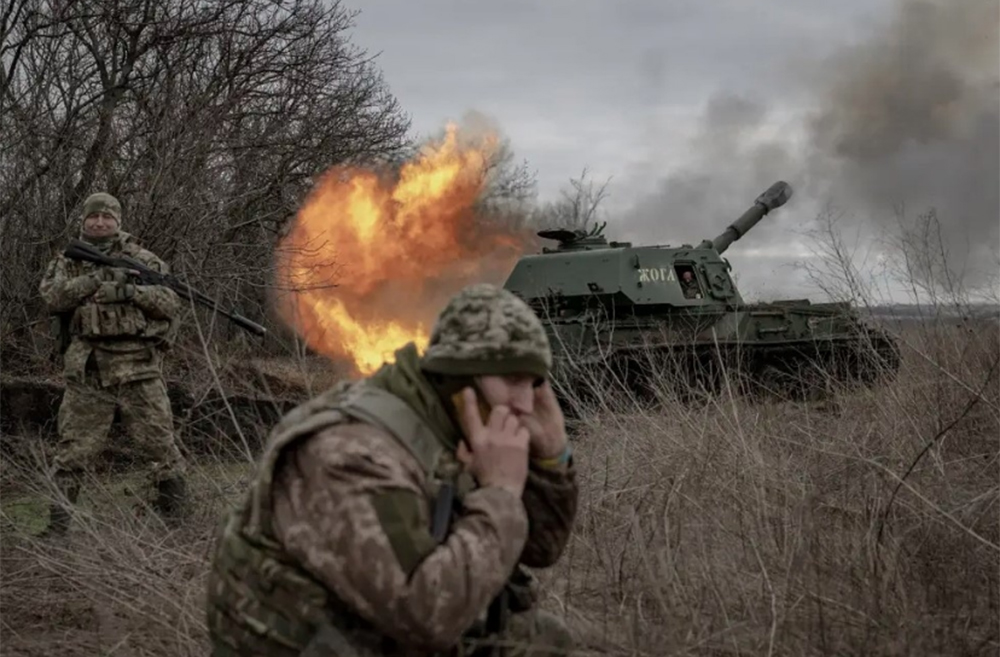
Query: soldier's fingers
x=498, y=416
x=547, y=398
x=523, y=438
x=470, y=418
x=544, y=393
x=510, y=425
x=541, y=399
x=463, y=454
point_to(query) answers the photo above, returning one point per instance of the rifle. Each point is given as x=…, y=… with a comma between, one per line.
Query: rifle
x=80, y=250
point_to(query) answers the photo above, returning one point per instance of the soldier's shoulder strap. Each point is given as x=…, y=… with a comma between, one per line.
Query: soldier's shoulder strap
x=303, y=420
x=145, y=256
x=345, y=400
x=382, y=408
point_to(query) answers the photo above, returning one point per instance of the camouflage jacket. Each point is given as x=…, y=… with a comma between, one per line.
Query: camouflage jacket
x=126, y=339
x=341, y=527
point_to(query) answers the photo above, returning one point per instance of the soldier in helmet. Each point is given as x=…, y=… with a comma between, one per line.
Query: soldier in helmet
x=117, y=333
x=395, y=515
x=689, y=285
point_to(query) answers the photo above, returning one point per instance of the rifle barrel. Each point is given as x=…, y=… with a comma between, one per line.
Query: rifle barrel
x=80, y=250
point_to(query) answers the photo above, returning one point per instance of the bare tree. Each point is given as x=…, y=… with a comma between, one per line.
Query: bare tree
x=837, y=265
x=579, y=207
x=208, y=120
x=510, y=186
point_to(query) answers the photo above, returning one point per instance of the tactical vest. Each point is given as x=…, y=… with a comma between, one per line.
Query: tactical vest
x=260, y=601
x=114, y=321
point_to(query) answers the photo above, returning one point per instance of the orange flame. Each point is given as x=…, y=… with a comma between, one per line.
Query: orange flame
x=369, y=262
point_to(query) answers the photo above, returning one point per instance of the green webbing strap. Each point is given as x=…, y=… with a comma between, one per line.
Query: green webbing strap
x=260, y=499
x=382, y=408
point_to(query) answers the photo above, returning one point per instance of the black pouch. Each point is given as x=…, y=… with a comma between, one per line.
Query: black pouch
x=521, y=595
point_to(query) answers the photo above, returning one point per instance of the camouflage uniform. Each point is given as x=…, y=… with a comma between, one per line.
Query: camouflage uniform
x=333, y=546
x=690, y=289
x=118, y=333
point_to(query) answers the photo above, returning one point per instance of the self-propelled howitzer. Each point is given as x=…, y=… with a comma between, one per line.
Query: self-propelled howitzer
x=673, y=314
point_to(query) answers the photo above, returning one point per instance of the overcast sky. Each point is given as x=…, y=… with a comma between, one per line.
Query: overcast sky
x=691, y=105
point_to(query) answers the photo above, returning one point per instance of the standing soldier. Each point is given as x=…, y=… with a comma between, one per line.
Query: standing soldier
x=393, y=515
x=117, y=333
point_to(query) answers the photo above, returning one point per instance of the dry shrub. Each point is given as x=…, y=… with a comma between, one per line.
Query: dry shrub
x=718, y=528
x=122, y=582
x=772, y=528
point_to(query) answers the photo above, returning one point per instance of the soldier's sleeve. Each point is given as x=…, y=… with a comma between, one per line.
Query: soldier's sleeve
x=348, y=504
x=158, y=301
x=62, y=292
x=550, y=497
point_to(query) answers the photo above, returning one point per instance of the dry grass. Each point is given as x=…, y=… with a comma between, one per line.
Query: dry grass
x=122, y=583
x=719, y=528
x=775, y=529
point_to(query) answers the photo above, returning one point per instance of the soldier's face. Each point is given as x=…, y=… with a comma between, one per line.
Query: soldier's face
x=516, y=391
x=100, y=224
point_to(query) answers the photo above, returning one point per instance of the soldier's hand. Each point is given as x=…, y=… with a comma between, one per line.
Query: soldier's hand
x=119, y=275
x=110, y=292
x=87, y=283
x=546, y=424
x=499, y=448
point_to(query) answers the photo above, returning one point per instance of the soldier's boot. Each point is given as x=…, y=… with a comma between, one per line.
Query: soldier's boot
x=171, y=498
x=59, y=515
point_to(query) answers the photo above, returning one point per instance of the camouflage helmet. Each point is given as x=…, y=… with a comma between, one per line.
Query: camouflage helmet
x=102, y=202
x=486, y=330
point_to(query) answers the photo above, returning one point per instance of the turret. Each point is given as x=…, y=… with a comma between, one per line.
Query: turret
x=578, y=239
x=774, y=197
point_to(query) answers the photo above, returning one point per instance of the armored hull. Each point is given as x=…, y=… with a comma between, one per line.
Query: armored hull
x=645, y=316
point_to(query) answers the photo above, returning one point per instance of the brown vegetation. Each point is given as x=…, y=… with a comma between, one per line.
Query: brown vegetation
x=775, y=529
x=869, y=527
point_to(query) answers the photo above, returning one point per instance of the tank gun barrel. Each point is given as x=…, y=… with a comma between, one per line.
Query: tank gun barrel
x=773, y=197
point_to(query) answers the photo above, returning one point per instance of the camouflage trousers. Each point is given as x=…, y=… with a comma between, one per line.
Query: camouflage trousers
x=85, y=418
x=532, y=633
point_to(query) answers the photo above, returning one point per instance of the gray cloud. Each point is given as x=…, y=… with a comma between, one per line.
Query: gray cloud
x=574, y=83
x=724, y=169
x=912, y=117
x=907, y=116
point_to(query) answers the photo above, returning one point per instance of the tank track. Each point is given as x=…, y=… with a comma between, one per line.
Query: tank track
x=791, y=370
